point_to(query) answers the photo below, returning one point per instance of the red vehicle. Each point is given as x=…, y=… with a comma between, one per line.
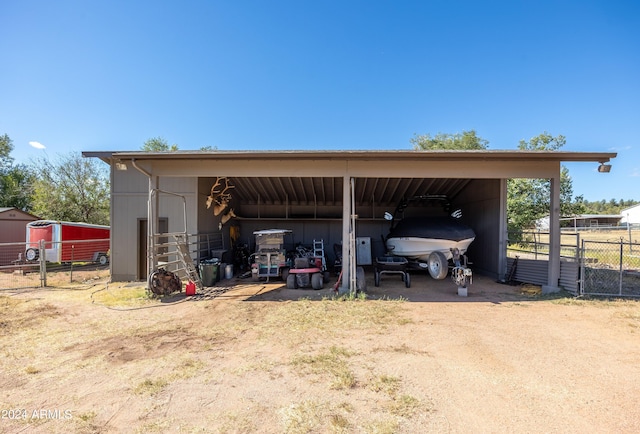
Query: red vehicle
x=68, y=241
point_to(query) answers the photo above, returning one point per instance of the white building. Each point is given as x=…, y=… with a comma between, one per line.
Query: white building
x=631, y=215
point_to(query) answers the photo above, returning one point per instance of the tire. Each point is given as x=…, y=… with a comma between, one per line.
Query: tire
x=32, y=254
x=292, y=282
x=103, y=259
x=407, y=280
x=376, y=278
x=438, y=265
x=285, y=274
x=317, y=282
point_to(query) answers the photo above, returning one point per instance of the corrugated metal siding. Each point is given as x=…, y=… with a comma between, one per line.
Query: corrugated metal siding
x=530, y=271
x=569, y=275
x=536, y=271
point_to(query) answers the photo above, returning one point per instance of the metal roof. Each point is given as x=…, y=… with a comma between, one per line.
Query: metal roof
x=601, y=157
x=328, y=191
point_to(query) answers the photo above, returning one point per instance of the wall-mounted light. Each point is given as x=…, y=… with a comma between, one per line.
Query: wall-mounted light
x=120, y=165
x=604, y=168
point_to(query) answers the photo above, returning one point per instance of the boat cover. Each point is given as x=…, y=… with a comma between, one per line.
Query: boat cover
x=440, y=228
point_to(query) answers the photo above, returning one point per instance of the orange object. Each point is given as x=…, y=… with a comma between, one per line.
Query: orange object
x=190, y=288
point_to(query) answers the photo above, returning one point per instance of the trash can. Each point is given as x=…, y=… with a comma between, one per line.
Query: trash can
x=228, y=271
x=208, y=272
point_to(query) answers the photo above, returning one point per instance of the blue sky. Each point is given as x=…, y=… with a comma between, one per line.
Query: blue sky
x=108, y=75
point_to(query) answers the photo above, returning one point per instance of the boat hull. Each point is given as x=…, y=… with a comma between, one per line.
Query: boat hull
x=418, y=237
x=419, y=248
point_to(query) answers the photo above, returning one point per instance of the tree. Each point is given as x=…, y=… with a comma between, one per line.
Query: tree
x=15, y=180
x=543, y=142
x=6, y=146
x=529, y=199
x=71, y=188
x=467, y=140
x=158, y=144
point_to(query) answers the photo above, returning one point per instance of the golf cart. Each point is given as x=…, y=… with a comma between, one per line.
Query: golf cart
x=270, y=258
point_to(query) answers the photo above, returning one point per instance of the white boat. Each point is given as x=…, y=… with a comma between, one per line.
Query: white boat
x=429, y=241
x=416, y=237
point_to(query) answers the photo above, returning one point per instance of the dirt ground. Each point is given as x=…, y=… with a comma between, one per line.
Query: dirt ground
x=246, y=358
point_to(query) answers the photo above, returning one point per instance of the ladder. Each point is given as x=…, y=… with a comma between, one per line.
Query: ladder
x=186, y=260
x=318, y=252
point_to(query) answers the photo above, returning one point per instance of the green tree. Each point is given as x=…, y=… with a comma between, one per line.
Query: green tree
x=158, y=144
x=71, y=188
x=6, y=146
x=543, y=142
x=529, y=199
x=467, y=140
x=15, y=180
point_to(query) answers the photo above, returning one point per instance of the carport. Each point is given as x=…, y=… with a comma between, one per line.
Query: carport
x=317, y=193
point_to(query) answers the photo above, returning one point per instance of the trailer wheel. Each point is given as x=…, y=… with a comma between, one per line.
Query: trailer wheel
x=317, y=282
x=438, y=265
x=376, y=278
x=407, y=280
x=103, y=259
x=32, y=254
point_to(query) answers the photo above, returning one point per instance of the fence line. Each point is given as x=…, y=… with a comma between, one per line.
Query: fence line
x=606, y=268
x=82, y=258
x=610, y=268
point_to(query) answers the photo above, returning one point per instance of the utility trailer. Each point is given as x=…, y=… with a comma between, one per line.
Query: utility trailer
x=68, y=241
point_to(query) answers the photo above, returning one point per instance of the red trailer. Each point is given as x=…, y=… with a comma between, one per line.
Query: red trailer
x=68, y=241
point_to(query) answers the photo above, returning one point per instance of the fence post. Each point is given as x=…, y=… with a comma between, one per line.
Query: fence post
x=582, y=268
x=630, y=239
x=621, y=266
x=71, y=267
x=43, y=264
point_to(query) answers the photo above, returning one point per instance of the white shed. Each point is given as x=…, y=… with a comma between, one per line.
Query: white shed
x=631, y=215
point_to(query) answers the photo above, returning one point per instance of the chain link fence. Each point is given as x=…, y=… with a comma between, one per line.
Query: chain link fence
x=31, y=266
x=610, y=268
x=58, y=264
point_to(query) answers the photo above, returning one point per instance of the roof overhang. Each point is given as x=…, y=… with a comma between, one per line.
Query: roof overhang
x=364, y=155
x=318, y=176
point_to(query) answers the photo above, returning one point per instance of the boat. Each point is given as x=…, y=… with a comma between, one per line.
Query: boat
x=417, y=237
x=429, y=240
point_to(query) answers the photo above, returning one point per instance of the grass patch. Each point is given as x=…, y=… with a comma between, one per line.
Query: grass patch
x=297, y=319
x=311, y=416
x=237, y=424
x=150, y=387
x=386, y=384
x=386, y=426
x=405, y=406
x=17, y=314
x=31, y=370
x=303, y=417
x=113, y=296
x=187, y=368
x=333, y=362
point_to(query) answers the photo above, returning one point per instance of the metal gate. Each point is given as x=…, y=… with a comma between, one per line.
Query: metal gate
x=610, y=268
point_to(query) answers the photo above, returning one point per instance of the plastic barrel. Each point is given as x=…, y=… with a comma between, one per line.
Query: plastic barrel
x=228, y=271
x=208, y=273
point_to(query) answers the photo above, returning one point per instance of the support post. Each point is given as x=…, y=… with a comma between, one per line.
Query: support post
x=503, y=232
x=553, y=274
x=346, y=220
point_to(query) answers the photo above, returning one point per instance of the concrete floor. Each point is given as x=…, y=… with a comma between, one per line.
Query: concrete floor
x=423, y=289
